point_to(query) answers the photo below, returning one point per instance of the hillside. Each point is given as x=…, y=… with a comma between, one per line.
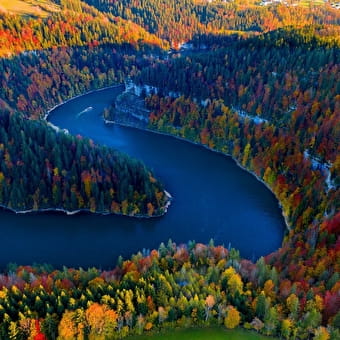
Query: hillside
x=33, y=8
x=57, y=171
x=180, y=20
x=260, y=82
x=75, y=24
x=32, y=92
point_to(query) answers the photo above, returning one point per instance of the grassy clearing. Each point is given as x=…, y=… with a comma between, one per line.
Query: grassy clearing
x=307, y=3
x=36, y=8
x=203, y=334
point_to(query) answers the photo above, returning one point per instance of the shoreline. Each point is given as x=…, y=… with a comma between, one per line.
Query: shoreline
x=106, y=121
x=78, y=211
x=88, y=211
x=210, y=149
x=48, y=112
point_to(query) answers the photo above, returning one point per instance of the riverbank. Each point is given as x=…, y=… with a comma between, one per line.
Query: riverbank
x=56, y=128
x=167, y=134
x=210, y=149
x=80, y=95
x=213, y=198
x=162, y=207
x=88, y=211
x=143, y=126
x=107, y=121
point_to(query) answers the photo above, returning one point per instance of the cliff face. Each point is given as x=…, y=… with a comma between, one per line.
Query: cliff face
x=129, y=109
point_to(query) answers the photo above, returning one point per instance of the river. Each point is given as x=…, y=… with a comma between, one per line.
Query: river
x=212, y=198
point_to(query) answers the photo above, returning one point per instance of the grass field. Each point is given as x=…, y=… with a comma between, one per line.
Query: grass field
x=37, y=8
x=203, y=334
x=307, y=3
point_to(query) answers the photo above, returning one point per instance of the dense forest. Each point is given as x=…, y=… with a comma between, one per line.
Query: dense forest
x=273, y=104
x=33, y=82
x=174, y=286
x=76, y=24
x=179, y=20
x=262, y=84
x=42, y=169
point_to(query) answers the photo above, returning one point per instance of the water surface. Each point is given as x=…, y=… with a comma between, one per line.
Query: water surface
x=213, y=198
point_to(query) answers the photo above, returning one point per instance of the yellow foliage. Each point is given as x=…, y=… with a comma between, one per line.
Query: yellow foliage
x=246, y=153
x=15, y=289
x=269, y=288
x=235, y=284
x=3, y=294
x=120, y=305
x=286, y=327
x=107, y=300
x=221, y=264
x=32, y=331
x=321, y=334
x=95, y=317
x=319, y=303
x=182, y=303
x=148, y=326
x=320, y=268
x=67, y=329
x=128, y=300
x=125, y=205
x=229, y=272
x=233, y=318
x=96, y=282
x=292, y=303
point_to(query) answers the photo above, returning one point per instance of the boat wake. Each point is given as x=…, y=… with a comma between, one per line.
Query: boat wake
x=88, y=109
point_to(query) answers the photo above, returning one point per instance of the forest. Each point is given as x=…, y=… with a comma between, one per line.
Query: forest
x=172, y=286
x=261, y=84
x=75, y=25
x=278, y=119
x=69, y=173
x=178, y=21
x=43, y=169
x=233, y=101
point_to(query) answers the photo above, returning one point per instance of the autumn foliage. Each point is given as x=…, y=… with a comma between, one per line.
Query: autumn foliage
x=262, y=85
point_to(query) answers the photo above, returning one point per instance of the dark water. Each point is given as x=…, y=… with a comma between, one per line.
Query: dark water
x=213, y=198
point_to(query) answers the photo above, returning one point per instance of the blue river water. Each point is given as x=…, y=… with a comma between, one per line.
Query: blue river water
x=212, y=199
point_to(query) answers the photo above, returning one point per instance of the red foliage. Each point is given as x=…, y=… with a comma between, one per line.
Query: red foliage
x=333, y=225
x=181, y=255
x=39, y=336
x=332, y=304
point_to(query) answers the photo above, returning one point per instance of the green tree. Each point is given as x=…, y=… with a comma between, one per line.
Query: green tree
x=50, y=326
x=271, y=321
